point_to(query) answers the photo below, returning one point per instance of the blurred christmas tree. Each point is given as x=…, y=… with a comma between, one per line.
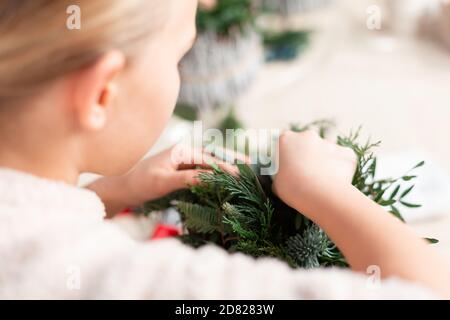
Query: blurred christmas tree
x=226, y=57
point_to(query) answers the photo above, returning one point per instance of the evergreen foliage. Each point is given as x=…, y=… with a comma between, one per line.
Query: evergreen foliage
x=242, y=214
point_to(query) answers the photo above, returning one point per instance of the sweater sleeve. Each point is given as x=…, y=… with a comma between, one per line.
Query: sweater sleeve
x=99, y=261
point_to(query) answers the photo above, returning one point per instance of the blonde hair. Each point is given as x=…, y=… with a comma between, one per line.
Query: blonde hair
x=37, y=47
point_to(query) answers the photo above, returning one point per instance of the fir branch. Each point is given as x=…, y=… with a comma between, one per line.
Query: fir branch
x=202, y=219
x=167, y=201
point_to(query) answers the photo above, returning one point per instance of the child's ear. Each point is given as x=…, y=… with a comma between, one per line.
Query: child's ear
x=94, y=90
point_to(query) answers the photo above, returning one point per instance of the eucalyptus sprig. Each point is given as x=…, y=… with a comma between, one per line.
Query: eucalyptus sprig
x=377, y=189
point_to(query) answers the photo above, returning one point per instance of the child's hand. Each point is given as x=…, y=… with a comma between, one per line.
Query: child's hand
x=155, y=177
x=171, y=170
x=310, y=167
x=315, y=178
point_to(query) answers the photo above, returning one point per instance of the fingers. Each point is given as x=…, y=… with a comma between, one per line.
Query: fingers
x=188, y=158
x=306, y=134
x=185, y=178
x=208, y=161
x=289, y=139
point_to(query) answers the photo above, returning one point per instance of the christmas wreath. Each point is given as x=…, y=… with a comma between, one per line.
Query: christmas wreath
x=242, y=214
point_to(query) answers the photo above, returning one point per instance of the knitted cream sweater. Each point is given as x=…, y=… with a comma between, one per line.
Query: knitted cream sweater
x=54, y=243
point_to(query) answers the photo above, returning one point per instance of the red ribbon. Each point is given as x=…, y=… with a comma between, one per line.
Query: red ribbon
x=165, y=231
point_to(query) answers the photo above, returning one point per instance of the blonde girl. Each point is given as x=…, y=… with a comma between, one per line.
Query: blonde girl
x=95, y=99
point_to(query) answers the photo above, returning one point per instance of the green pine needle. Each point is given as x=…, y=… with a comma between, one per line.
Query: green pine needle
x=202, y=219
